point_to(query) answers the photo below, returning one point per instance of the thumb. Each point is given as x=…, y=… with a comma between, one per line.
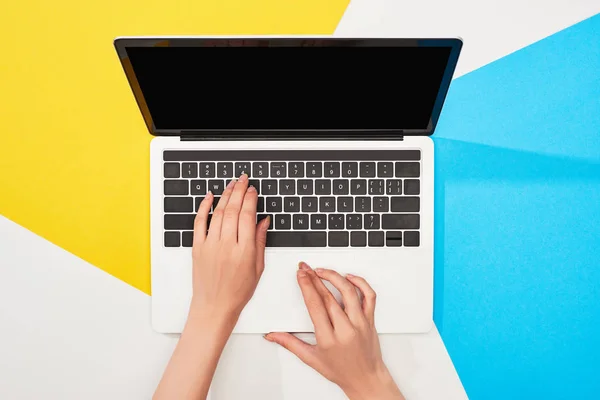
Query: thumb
x=261, y=243
x=299, y=348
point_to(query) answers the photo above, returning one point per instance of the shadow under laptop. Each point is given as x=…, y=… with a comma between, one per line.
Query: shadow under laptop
x=516, y=262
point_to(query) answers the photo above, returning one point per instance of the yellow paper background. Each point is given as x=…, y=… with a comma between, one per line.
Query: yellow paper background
x=73, y=145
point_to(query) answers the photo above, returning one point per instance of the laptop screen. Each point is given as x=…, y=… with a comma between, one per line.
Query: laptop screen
x=281, y=84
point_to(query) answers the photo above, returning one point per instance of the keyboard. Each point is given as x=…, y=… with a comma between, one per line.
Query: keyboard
x=320, y=198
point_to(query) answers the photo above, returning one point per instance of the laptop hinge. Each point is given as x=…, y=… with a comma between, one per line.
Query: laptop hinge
x=290, y=135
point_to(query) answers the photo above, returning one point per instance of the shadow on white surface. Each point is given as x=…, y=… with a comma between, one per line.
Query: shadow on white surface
x=71, y=331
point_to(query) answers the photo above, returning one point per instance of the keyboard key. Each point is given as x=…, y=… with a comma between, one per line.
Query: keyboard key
x=400, y=221
x=215, y=202
x=274, y=204
x=314, y=169
x=296, y=239
x=171, y=170
x=327, y=204
x=179, y=204
x=187, y=238
x=309, y=204
x=197, y=203
x=260, y=204
x=350, y=169
x=385, y=169
x=331, y=170
x=412, y=186
x=225, y=170
x=283, y=221
x=344, y=204
x=405, y=204
x=362, y=204
x=172, y=239
x=255, y=183
x=354, y=221
x=296, y=169
x=318, y=221
x=287, y=187
x=336, y=221
x=338, y=239
x=372, y=221
x=375, y=186
x=207, y=170
x=411, y=239
x=305, y=186
x=179, y=222
x=408, y=169
x=376, y=239
x=358, y=186
x=341, y=186
x=176, y=187
x=260, y=169
x=216, y=186
x=269, y=186
x=278, y=170
x=367, y=170
x=393, y=239
x=301, y=221
x=393, y=187
x=291, y=204
x=381, y=204
x=198, y=187
x=260, y=217
x=323, y=187
x=189, y=170
x=242, y=168
x=358, y=239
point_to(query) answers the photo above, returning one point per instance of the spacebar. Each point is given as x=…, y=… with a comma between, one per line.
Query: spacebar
x=296, y=239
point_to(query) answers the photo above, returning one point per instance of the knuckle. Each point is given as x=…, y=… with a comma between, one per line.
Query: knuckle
x=348, y=336
x=230, y=214
x=247, y=214
x=218, y=213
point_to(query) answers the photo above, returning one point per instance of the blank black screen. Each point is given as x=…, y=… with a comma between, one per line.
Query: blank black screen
x=329, y=87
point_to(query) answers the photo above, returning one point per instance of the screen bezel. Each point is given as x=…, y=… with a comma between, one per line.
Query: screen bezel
x=455, y=44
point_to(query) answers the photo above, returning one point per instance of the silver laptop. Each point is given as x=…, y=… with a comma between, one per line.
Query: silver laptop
x=332, y=132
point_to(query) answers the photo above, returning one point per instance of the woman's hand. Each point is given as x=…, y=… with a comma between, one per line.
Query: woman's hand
x=228, y=260
x=227, y=264
x=347, y=350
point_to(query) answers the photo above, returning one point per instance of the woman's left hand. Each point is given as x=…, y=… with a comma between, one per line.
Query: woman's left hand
x=228, y=261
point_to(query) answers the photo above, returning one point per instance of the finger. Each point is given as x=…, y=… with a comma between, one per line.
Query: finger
x=217, y=219
x=247, y=220
x=348, y=292
x=314, y=304
x=369, y=296
x=261, y=243
x=299, y=348
x=201, y=220
x=337, y=316
x=231, y=216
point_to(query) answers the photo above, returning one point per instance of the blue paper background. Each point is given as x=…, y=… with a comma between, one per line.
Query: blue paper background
x=517, y=259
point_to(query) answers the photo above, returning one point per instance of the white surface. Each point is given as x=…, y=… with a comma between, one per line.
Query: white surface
x=490, y=29
x=402, y=277
x=71, y=331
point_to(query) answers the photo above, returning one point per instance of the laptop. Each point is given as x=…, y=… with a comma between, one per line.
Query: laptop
x=334, y=134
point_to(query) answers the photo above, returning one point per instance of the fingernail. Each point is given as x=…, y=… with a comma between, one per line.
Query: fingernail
x=350, y=276
x=266, y=337
x=251, y=188
x=319, y=270
x=301, y=273
x=209, y=194
x=231, y=184
x=303, y=266
x=243, y=177
x=268, y=221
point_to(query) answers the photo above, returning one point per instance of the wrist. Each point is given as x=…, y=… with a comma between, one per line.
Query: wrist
x=210, y=319
x=380, y=385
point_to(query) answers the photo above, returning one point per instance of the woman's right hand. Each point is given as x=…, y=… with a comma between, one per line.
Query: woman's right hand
x=347, y=350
